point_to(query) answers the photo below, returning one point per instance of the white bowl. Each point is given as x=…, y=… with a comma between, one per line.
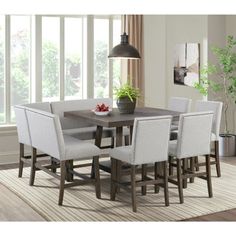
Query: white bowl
x=101, y=113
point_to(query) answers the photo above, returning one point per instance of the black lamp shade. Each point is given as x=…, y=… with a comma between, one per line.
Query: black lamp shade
x=124, y=49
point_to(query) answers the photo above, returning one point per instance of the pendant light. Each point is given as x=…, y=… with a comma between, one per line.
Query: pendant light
x=124, y=49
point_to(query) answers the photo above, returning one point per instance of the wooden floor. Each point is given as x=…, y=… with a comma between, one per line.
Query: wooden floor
x=229, y=215
x=12, y=208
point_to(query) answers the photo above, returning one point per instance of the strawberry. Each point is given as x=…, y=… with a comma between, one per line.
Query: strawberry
x=101, y=108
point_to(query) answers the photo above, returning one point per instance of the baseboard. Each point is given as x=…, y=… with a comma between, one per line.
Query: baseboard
x=10, y=157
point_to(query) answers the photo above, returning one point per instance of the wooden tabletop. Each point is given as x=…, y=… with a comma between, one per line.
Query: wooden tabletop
x=115, y=119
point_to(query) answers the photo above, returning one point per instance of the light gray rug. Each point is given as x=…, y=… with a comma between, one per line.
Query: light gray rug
x=80, y=203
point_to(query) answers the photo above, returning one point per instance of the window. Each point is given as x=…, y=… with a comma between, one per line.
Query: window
x=73, y=58
x=70, y=51
x=101, y=50
x=50, y=58
x=20, y=61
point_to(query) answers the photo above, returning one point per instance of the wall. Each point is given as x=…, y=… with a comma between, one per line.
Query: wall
x=154, y=60
x=8, y=146
x=161, y=33
x=230, y=29
x=184, y=29
x=216, y=37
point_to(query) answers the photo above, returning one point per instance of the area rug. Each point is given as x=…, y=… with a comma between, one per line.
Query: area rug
x=80, y=203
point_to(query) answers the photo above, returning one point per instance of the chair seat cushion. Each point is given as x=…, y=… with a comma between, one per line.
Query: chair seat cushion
x=87, y=133
x=79, y=149
x=123, y=153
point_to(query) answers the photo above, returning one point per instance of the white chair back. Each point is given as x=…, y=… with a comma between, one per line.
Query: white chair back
x=84, y=104
x=180, y=104
x=150, y=139
x=46, y=134
x=194, y=135
x=216, y=108
x=22, y=125
x=42, y=106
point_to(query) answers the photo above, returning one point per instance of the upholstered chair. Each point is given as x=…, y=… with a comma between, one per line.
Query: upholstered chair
x=179, y=104
x=79, y=128
x=23, y=131
x=149, y=146
x=216, y=108
x=46, y=136
x=194, y=139
x=23, y=135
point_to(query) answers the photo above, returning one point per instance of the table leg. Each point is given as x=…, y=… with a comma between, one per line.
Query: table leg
x=98, y=140
x=130, y=134
x=119, y=138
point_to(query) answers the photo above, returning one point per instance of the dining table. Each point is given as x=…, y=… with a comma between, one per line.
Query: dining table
x=117, y=120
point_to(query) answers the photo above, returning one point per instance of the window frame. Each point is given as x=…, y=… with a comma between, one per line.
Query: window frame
x=35, y=65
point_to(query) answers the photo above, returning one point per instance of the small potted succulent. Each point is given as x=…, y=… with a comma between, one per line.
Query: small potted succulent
x=126, y=98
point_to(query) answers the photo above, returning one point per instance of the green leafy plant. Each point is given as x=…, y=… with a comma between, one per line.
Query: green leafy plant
x=127, y=91
x=224, y=73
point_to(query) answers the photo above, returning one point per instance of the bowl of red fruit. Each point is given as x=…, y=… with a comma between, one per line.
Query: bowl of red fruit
x=102, y=110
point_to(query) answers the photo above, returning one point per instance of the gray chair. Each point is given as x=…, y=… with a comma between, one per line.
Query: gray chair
x=179, y=104
x=23, y=132
x=80, y=128
x=194, y=139
x=216, y=108
x=149, y=146
x=46, y=136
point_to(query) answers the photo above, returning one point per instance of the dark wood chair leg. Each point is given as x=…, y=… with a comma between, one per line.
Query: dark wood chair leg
x=144, y=175
x=126, y=140
x=208, y=176
x=185, y=166
x=156, y=187
x=113, y=179
x=133, y=188
x=21, y=163
x=218, y=171
x=166, y=190
x=196, y=163
x=33, y=168
x=192, y=168
x=170, y=166
x=69, y=166
x=112, y=142
x=62, y=182
x=179, y=180
x=53, y=163
x=97, y=177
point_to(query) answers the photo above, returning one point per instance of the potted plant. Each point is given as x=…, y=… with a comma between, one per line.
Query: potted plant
x=225, y=85
x=126, y=98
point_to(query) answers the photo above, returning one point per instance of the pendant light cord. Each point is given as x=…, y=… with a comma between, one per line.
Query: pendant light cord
x=124, y=23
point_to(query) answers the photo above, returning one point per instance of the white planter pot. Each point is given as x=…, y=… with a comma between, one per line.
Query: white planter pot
x=227, y=144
